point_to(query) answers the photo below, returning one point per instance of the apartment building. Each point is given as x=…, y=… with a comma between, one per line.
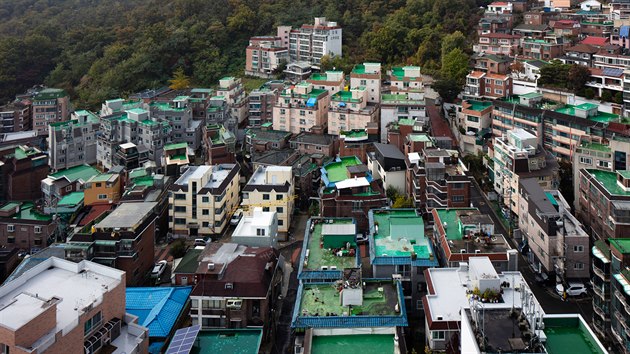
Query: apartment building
x=134, y=126
x=604, y=202
x=495, y=23
x=548, y=48
x=15, y=117
x=580, y=54
x=219, y=144
x=566, y=28
x=607, y=79
x=493, y=64
x=102, y=189
x=349, y=190
x=400, y=107
x=481, y=85
x=50, y=105
x=232, y=90
x=557, y=242
x=258, y=230
x=24, y=227
x=516, y=156
x=475, y=120
x=368, y=75
x=61, y=183
x=331, y=81
x=351, y=110
x=119, y=105
x=73, y=142
x=271, y=188
x=237, y=287
x=596, y=28
x=310, y=43
x=301, y=108
x=264, y=55
x=498, y=44
x=462, y=233
x=22, y=169
x=358, y=142
x=264, y=138
x=175, y=159
x=61, y=306
x=387, y=163
x=178, y=114
x=398, y=133
x=436, y=178
x=532, y=31
x=203, y=199
x=261, y=103
x=309, y=144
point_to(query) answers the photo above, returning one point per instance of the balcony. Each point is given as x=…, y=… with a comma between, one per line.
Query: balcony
x=601, y=274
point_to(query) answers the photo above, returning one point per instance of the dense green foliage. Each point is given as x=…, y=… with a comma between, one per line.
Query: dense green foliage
x=567, y=76
x=99, y=49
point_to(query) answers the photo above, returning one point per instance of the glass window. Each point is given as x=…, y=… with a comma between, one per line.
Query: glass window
x=265, y=196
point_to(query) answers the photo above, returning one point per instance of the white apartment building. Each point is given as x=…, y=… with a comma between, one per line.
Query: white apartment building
x=203, y=199
x=311, y=42
x=271, y=188
x=258, y=230
x=406, y=100
x=232, y=90
x=368, y=75
x=301, y=108
x=331, y=81
x=73, y=142
x=350, y=110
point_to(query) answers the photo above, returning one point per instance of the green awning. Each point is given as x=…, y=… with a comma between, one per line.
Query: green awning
x=106, y=242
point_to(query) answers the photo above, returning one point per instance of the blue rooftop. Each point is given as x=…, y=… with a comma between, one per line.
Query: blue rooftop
x=157, y=308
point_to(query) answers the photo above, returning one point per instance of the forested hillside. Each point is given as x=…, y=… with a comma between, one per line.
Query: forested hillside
x=98, y=49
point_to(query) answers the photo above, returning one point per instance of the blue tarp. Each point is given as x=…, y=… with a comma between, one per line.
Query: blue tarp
x=342, y=104
x=311, y=102
x=624, y=31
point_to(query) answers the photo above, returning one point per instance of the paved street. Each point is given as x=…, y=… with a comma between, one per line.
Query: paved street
x=551, y=302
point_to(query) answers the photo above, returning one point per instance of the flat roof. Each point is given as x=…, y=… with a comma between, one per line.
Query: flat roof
x=248, y=225
x=81, y=172
x=260, y=175
x=318, y=256
x=620, y=244
x=68, y=284
x=479, y=105
x=338, y=170
x=127, y=215
x=609, y=181
x=71, y=199
x=570, y=332
x=601, y=117
x=400, y=232
x=358, y=343
x=232, y=341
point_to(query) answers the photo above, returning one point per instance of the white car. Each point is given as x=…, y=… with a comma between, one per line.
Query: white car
x=158, y=269
x=236, y=217
x=573, y=289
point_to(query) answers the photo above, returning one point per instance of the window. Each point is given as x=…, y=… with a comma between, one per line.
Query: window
x=180, y=209
x=578, y=248
x=280, y=210
x=180, y=221
x=488, y=90
x=498, y=91
x=180, y=196
x=356, y=205
x=419, y=305
x=10, y=228
x=92, y=323
x=11, y=239
x=458, y=186
x=279, y=196
x=437, y=335
x=245, y=195
x=102, y=196
x=472, y=119
x=578, y=266
x=586, y=160
x=458, y=198
x=265, y=208
x=68, y=188
x=37, y=229
x=280, y=222
x=260, y=232
x=205, y=211
x=265, y=196
x=205, y=224
x=37, y=242
x=205, y=199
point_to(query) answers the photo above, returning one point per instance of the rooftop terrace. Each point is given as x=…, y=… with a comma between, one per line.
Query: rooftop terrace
x=400, y=98
x=570, y=332
x=609, y=181
x=456, y=232
x=600, y=117
x=345, y=96
x=233, y=341
x=478, y=105
x=338, y=170
x=316, y=257
x=360, y=343
x=399, y=234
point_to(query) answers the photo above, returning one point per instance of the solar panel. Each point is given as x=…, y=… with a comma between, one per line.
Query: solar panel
x=614, y=72
x=183, y=340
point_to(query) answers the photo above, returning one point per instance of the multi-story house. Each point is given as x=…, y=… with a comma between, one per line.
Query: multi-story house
x=516, y=156
x=621, y=36
x=619, y=9
x=358, y=142
x=349, y=190
x=258, y=230
x=531, y=31
x=73, y=142
x=566, y=28
x=351, y=110
x=264, y=55
x=462, y=233
x=604, y=202
x=499, y=7
x=548, y=48
x=495, y=23
x=580, y=54
x=387, y=163
x=72, y=308
x=480, y=85
x=301, y=108
x=119, y=105
x=497, y=44
x=539, y=17
x=609, y=79
x=102, y=189
x=261, y=103
x=236, y=287
x=272, y=188
x=148, y=137
x=219, y=144
x=603, y=60
x=331, y=81
x=176, y=159
x=232, y=90
x=22, y=169
x=596, y=28
x=368, y=75
x=15, y=117
x=203, y=199
x=50, y=105
x=310, y=43
x=601, y=260
x=493, y=64
x=265, y=138
x=61, y=183
x=24, y=227
x=475, y=121
x=558, y=244
x=309, y=143
x=436, y=179
x=398, y=245
x=178, y=114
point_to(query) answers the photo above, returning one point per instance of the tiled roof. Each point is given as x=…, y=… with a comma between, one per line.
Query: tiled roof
x=157, y=308
x=597, y=41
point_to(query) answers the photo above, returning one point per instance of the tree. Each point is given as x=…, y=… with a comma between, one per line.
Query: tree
x=178, y=248
x=402, y=201
x=555, y=74
x=577, y=77
x=455, y=66
x=618, y=97
x=392, y=193
x=566, y=181
x=452, y=41
x=589, y=93
x=447, y=88
x=606, y=96
x=179, y=81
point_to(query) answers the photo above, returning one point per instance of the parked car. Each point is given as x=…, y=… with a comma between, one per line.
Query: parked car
x=572, y=289
x=200, y=242
x=361, y=238
x=236, y=217
x=158, y=269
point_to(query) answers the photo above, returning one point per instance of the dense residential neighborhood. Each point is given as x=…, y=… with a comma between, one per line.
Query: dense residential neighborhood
x=310, y=204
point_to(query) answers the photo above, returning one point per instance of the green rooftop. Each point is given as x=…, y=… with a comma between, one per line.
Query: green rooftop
x=595, y=146
x=354, y=133
x=400, y=73
x=315, y=93
x=338, y=171
x=393, y=98
x=82, y=172
x=72, y=199
x=379, y=298
x=165, y=106
x=320, y=256
x=232, y=341
x=28, y=212
x=600, y=117
x=360, y=343
x=9, y=206
x=609, y=181
x=620, y=244
x=419, y=138
x=345, y=96
x=479, y=105
x=20, y=153
x=449, y=216
x=189, y=262
x=137, y=110
x=319, y=77
x=406, y=121
x=570, y=334
x=102, y=177
x=175, y=146
x=137, y=172
x=400, y=232
x=530, y=95
x=50, y=93
x=147, y=181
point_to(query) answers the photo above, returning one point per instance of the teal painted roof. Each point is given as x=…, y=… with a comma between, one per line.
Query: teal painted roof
x=82, y=172
x=157, y=308
x=71, y=199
